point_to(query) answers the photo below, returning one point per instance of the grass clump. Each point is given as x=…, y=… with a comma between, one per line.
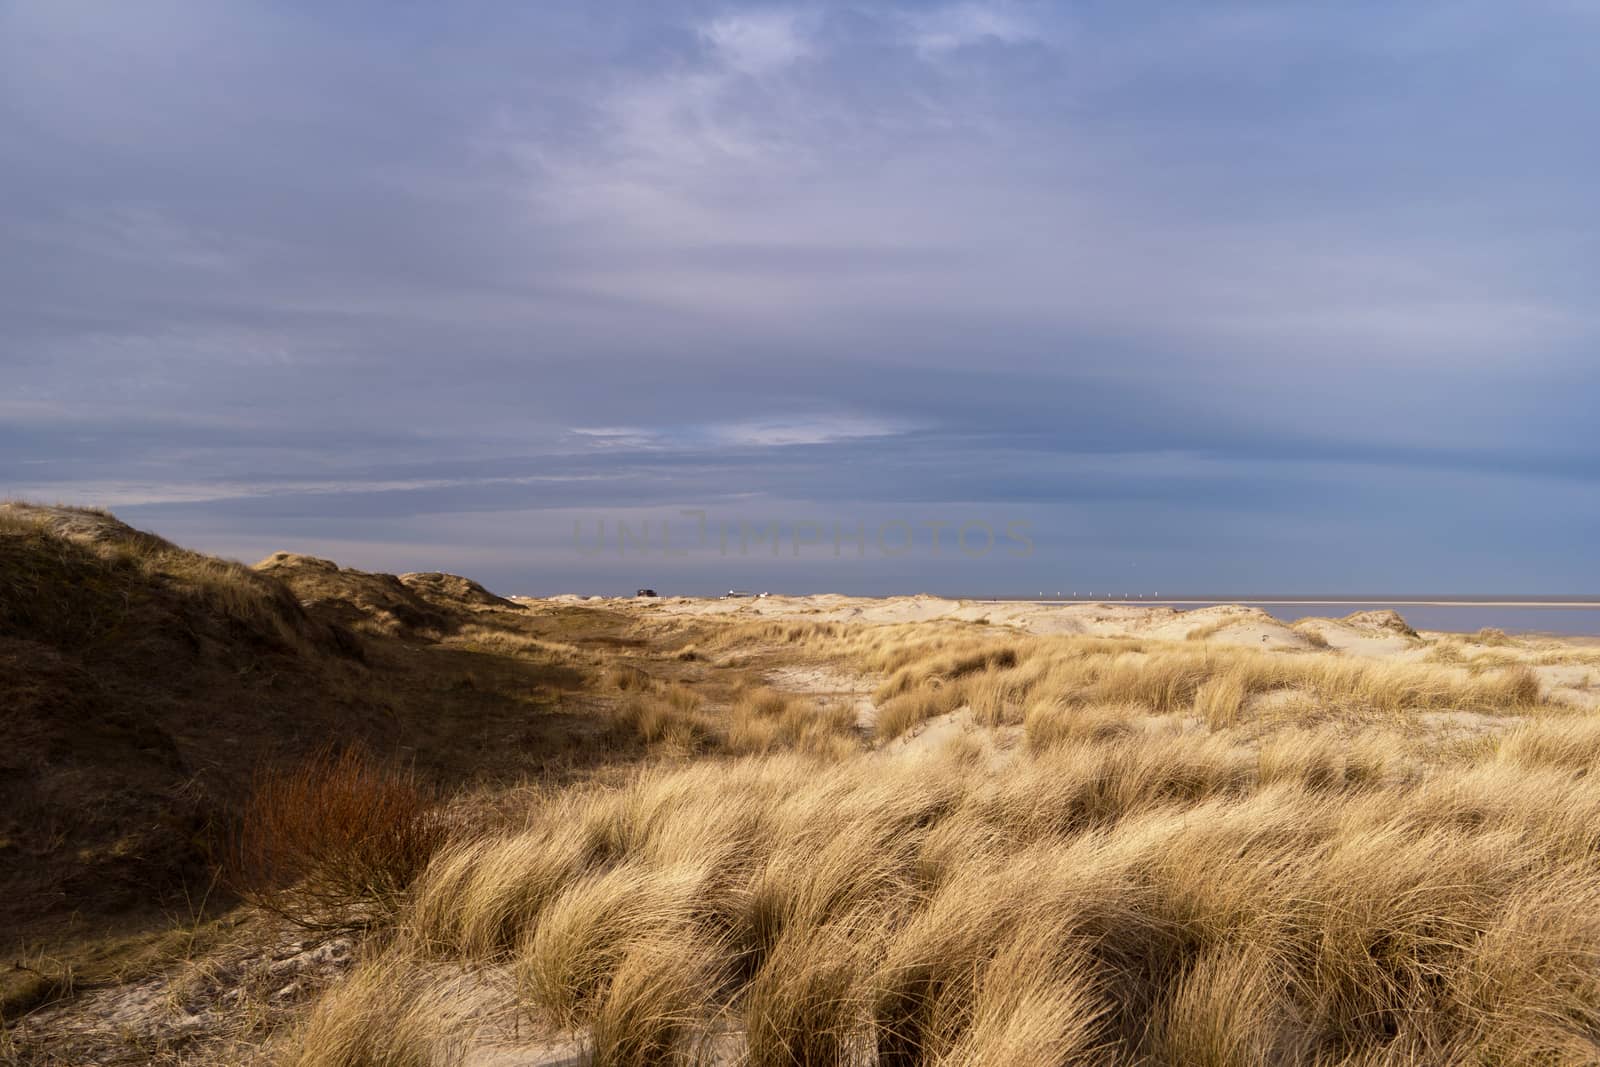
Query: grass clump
x=1108, y=897
x=762, y=720
x=1313, y=637
x=1220, y=699
x=334, y=842
x=1214, y=682
x=670, y=719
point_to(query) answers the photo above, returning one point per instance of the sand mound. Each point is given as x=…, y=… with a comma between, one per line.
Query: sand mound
x=1363, y=633
x=1226, y=623
x=80, y=524
x=1229, y=624
x=453, y=590
x=1383, y=619
x=380, y=603
x=426, y=605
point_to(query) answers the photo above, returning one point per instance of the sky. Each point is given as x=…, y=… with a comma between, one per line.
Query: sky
x=973, y=298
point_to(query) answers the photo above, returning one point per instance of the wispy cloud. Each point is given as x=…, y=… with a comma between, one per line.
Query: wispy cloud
x=956, y=26
x=802, y=430
x=758, y=42
x=756, y=431
x=615, y=436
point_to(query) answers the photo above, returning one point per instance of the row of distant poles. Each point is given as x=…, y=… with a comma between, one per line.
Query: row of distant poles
x=1108, y=596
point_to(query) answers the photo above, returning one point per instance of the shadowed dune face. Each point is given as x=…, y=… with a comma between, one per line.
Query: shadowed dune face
x=143, y=684
x=130, y=668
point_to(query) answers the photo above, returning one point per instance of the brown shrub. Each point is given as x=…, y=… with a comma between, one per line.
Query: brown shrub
x=334, y=842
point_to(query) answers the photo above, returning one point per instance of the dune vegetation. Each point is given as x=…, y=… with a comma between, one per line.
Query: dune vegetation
x=1148, y=875
x=1130, y=852
x=787, y=841
x=1104, y=900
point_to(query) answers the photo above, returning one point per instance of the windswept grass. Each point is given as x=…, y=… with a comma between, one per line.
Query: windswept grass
x=1000, y=678
x=1313, y=636
x=762, y=721
x=668, y=717
x=1109, y=897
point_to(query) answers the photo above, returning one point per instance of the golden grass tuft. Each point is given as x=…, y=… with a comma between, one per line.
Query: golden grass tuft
x=628, y=678
x=387, y=1011
x=670, y=718
x=1313, y=636
x=1107, y=897
x=763, y=720
x=907, y=710
x=1051, y=723
x=655, y=1006
x=998, y=679
x=1207, y=631
x=1220, y=699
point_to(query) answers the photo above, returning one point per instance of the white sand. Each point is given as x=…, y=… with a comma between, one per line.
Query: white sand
x=1225, y=623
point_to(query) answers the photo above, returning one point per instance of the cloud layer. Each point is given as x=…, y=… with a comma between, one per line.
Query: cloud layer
x=1212, y=295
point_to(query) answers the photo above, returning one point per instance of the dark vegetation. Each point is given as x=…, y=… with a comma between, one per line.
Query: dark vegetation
x=142, y=686
x=332, y=843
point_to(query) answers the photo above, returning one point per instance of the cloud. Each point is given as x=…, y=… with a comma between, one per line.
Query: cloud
x=957, y=26
x=757, y=432
x=758, y=42
x=615, y=436
x=1202, y=266
x=801, y=430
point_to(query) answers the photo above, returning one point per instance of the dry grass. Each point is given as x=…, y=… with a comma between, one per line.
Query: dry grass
x=900, y=713
x=480, y=638
x=1051, y=723
x=423, y=1025
x=763, y=720
x=1106, y=898
x=628, y=678
x=1209, y=630
x=1161, y=874
x=1220, y=699
x=1313, y=636
x=670, y=719
x=112, y=571
x=999, y=678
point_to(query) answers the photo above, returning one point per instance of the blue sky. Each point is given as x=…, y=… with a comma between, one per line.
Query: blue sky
x=1247, y=297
